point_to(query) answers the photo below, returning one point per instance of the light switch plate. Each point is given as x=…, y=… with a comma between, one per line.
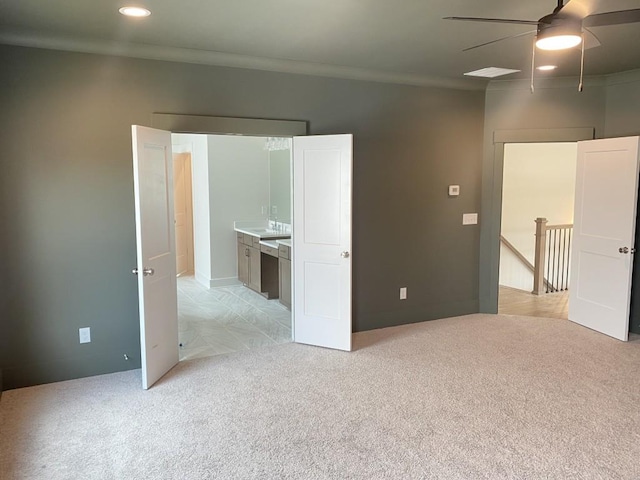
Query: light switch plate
x=469, y=218
x=85, y=334
x=454, y=190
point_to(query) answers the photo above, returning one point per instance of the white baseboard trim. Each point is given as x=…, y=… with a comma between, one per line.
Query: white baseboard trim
x=202, y=280
x=224, y=282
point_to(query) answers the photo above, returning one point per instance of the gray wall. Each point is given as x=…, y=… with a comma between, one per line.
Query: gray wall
x=622, y=112
x=66, y=193
x=608, y=104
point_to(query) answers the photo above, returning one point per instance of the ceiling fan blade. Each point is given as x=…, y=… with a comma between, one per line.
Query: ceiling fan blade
x=493, y=20
x=612, y=18
x=590, y=40
x=499, y=40
x=578, y=8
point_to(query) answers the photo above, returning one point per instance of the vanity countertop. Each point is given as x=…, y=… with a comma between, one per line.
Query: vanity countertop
x=285, y=241
x=262, y=232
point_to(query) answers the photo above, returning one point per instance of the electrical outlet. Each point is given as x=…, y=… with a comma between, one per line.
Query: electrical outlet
x=264, y=209
x=403, y=293
x=85, y=334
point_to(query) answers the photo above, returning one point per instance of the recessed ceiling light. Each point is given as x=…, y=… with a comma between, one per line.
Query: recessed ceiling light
x=491, y=72
x=135, y=11
x=546, y=68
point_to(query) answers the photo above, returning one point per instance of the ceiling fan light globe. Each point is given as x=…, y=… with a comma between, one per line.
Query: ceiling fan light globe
x=558, y=42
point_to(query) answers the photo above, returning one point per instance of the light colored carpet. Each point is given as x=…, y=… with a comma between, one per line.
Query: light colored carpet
x=474, y=397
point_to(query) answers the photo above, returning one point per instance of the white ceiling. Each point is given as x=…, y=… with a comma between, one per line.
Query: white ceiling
x=389, y=40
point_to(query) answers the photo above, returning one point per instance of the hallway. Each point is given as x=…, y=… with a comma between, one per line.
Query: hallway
x=512, y=301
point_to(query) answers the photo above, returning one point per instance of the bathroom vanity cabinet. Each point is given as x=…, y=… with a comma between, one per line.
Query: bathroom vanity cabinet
x=258, y=265
x=284, y=274
x=249, y=271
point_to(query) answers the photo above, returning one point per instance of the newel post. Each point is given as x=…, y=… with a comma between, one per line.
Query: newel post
x=538, y=266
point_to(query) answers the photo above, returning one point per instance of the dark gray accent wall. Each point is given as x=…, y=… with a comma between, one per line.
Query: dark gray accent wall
x=66, y=195
x=622, y=113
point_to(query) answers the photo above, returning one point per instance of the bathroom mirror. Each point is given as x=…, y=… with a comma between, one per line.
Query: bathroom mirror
x=280, y=184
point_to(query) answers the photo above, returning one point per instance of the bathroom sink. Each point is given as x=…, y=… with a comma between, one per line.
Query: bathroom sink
x=263, y=232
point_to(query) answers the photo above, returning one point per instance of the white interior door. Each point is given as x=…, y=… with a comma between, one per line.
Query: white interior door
x=156, y=264
x=604, y=226
x=322, y=175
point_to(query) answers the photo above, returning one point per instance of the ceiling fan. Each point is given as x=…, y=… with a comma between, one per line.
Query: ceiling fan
x=566, y=27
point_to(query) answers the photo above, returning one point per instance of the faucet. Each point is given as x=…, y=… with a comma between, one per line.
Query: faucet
x=275, y=223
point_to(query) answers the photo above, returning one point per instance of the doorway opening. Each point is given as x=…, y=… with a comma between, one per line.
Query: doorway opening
x=538, y=190
x=320, y=256
x=231, y=181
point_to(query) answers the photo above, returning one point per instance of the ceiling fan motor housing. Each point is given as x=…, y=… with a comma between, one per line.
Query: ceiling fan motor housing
x=553, y=25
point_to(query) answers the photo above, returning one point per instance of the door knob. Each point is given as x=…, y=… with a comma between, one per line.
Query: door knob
x=344, y=254
x=145, y=271
x=623, y=250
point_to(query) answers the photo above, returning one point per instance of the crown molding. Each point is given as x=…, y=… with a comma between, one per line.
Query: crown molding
x=221, y=59
x=621, y=78
x=547, y=83
x=630, y=76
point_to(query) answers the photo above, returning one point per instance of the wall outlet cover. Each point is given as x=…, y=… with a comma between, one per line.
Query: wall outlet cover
x=454, y=190
x=403, y=293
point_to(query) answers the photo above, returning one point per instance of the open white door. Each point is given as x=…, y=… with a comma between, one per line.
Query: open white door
x=322, y=173
x=156, y=265
x=604, y=226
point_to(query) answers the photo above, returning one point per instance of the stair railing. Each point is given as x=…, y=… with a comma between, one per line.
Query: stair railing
x=552, y=257
x=523, y=260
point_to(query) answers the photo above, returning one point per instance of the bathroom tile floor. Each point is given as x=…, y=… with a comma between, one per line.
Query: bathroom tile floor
x=227, y=319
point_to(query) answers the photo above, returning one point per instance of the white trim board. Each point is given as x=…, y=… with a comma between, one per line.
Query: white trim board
x=221, y=59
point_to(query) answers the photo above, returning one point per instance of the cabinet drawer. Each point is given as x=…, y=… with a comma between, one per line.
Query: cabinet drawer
x=269, y=250
x=256, y=242
x=240, y=237
x=284, y=252
x=247, y=239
